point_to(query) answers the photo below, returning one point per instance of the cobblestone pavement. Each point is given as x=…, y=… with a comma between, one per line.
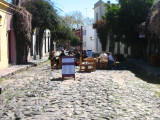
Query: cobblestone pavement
x=39, y=94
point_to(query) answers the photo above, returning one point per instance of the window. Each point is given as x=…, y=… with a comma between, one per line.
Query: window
x=84, y=44
x=84, y=32
x=97, y=44
x=96, y=16
x=125, y=50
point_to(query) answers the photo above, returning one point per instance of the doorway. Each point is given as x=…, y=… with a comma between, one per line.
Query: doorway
x=9, y=47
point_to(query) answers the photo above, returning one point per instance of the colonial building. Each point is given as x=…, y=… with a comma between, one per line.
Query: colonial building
x=88, y=38
x=7, y=37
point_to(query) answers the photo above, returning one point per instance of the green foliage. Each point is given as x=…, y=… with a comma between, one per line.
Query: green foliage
x=63, y=33
x=44, y=17
x=75, y=19
x=22, y=28
x=111, y=17
x=43, y=12
x=75, y=41
x=131, y=14
x=153, y=25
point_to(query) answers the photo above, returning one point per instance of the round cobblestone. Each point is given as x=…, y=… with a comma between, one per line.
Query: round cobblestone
x=40, y=94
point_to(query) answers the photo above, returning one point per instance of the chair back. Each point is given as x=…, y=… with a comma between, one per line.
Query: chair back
x=103, y=59
x=115, y=59
x=60, y=62
x=80, y=60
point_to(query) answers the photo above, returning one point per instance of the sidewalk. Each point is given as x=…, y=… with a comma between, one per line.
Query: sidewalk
x=146, y=67
x=17, y=68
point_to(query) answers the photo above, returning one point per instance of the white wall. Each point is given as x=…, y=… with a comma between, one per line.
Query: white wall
x=46, y=43
x=88, y=43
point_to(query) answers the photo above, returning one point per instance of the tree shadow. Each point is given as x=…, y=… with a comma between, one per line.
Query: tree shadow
x=57, y=79
x=141, y=73
x=84, y=71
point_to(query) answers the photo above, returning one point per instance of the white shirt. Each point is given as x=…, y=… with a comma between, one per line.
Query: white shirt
x=104, y=55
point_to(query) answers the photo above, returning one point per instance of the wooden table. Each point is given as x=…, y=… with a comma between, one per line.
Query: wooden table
x=90, y=62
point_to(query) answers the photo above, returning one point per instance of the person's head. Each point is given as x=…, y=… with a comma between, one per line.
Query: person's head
x=62, y=51
x=69, y=52
x=52, y=53
x=107, y=53
x=76, y=51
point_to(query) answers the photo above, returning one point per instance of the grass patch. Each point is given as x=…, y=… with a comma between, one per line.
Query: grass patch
x=157, y=93
x=124, y=109
x=1, y=80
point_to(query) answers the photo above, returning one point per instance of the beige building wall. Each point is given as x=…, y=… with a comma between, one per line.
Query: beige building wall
x=3, y=39
x=4, y=8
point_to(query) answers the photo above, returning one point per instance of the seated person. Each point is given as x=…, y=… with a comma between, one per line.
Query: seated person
x=77, y=57
x=62, y=54
x=53, y=59
x=65, y=51
x=103, y=57
x=70, y=53
x=84, y=54
x=110, y=60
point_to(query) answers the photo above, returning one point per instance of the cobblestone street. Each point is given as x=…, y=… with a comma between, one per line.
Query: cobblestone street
x=40, y=94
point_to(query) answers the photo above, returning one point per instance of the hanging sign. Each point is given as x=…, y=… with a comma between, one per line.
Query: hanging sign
x=141, y=35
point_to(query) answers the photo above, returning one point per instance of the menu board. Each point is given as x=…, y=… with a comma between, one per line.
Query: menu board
x=68, y=67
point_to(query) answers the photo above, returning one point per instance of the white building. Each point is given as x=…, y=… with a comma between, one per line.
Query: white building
x=88, y=38
x=99, y=11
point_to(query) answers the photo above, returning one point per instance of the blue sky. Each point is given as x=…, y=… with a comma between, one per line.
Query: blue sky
x=84, y=6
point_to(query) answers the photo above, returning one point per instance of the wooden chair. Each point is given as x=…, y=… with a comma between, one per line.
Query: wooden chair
x=98, y=62
x=82, y=65
x=103, y=63
x=91, y=62
x=114, y=64
x=53, y=64
x=60, y=62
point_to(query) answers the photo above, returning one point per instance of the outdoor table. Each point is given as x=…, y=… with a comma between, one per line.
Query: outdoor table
x=90, y=62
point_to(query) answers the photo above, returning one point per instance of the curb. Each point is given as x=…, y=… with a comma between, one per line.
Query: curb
x=156, y=75
x=33, y=64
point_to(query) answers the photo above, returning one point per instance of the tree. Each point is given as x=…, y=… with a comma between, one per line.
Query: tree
x=88, y=21
x=111, y=17
x=153, y=29
x=102, y=32
x=22, y=28
x=131, y=14
x=44, y=16
x=75, y=41
x=75, y=19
